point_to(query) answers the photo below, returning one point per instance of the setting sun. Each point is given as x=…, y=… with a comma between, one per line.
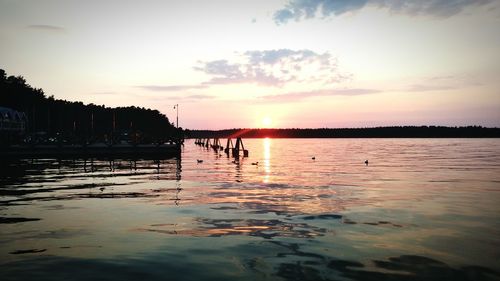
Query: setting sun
x=266, y=122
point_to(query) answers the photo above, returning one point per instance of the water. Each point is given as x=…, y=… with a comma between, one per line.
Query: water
x=423, y=209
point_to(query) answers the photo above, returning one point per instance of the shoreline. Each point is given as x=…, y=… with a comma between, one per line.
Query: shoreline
x=375, y=132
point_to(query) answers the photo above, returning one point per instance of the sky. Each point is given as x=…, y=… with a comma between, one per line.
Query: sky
x=264, y=63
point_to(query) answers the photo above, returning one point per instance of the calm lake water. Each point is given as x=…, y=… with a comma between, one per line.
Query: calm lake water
x=423, y=209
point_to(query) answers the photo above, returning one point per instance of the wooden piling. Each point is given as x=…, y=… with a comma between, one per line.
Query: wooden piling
x=229, y=146
x=216, y=145
x=207, y=143
x=239, y=147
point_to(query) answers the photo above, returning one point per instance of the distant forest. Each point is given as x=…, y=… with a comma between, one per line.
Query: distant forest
x=377, y=132
x=78, y=121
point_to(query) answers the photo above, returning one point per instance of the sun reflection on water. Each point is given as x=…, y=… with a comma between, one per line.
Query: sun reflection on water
x=267, y=159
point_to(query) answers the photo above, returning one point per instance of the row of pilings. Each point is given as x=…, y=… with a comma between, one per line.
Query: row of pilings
x=231, y=149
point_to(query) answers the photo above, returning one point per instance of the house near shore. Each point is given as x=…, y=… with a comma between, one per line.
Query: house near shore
x=12, y=124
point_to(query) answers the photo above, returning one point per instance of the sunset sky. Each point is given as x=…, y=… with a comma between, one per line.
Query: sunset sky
x=262, y=63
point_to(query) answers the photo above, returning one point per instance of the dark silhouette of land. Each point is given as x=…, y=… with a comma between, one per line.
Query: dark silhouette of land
x=75, y=122
x=377, y=132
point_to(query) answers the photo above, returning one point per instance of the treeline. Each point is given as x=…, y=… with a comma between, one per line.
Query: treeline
x=54, y=117
x=376, y=132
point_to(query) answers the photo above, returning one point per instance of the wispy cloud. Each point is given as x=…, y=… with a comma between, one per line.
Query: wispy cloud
x=186, y=98
x=305, y=9
x=199, y=97
x=173, y=88
x=443, y=83
x=274, y=68
x=298, y=96
x=429, y=88
x=46, y=28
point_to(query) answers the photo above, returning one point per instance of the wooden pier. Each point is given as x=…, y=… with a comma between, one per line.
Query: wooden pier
x=231, y=149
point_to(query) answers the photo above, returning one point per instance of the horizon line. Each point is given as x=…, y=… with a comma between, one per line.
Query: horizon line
x=342, y=128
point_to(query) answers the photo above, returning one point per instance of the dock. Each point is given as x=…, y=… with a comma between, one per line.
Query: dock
x=231, y=149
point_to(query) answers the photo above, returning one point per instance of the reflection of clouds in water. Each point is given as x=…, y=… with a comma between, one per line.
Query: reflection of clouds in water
x=271, y=198
x=282, y=225
x=206, y=227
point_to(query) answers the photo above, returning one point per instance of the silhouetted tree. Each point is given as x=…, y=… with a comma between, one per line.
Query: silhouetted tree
x=82, y=122
x=377, y=132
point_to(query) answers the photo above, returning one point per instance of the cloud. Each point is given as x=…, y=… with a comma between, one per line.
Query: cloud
x=443, y=83
x=161, y=88
x=276, y=56
x=305, y=9
x=177, y=88
x=187, y=98
x=199, y=97
x=429, y=88
x=298, y=96
x=47, y=28
x=274, y=68
x=222, y=69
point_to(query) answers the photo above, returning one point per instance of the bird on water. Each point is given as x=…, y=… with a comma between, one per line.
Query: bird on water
x=366, y=162
x=313, y=158
x=199, y=160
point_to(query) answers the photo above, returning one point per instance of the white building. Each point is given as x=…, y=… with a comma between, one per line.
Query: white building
x=12, y=121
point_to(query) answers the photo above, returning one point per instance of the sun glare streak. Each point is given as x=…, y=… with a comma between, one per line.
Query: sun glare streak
x=267, y=159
